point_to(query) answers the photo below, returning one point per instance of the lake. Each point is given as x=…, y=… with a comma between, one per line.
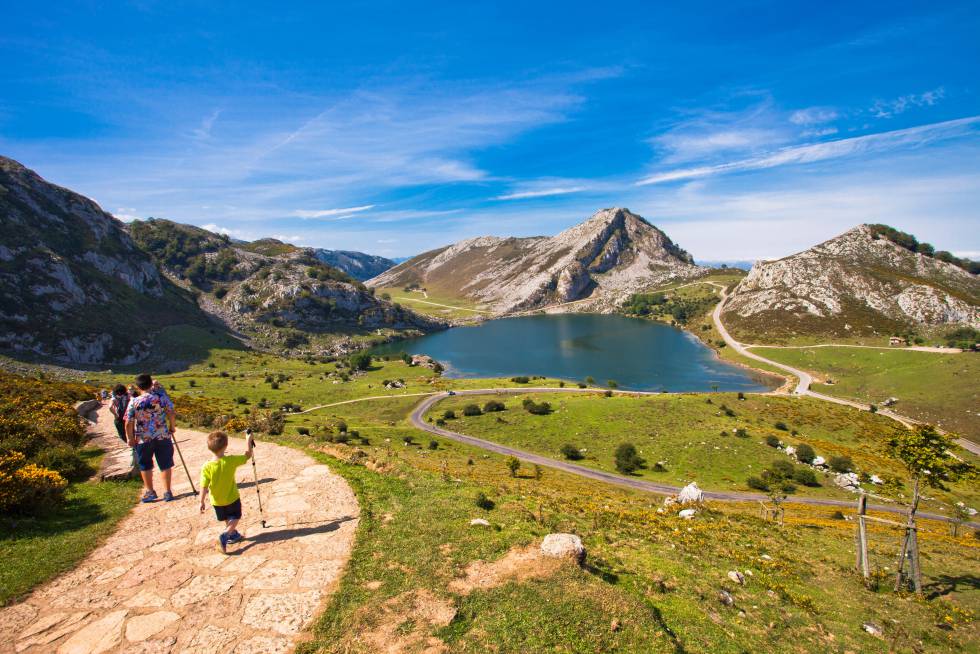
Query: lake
x=638, y=354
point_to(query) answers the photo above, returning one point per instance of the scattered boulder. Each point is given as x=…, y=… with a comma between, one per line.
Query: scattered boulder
x=876, y=480
x=872, y=629
x=691, y=494
x=726, y=598
x=790, y=450
x=687, y=514
x=766, y=557
x=848, y=481
x=479, y=522
x=819, y=461
x=736, y=577
x=564, y=546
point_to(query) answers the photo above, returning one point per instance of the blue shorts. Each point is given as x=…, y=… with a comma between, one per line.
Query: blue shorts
x=160, y=448
x=231, y=511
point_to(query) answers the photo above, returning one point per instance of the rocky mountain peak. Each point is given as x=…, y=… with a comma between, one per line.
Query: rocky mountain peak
x=608, y=256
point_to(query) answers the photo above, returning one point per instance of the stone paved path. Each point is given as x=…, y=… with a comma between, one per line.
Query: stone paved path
x=160, y=585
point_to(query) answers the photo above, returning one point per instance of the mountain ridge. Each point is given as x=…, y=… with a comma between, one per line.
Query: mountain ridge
x=602, y=260
x=857, y=283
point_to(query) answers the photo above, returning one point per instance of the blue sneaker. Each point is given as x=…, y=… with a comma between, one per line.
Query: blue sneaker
x=234, y=537
x=223, y=543
x=149, y=497
x=168, y=497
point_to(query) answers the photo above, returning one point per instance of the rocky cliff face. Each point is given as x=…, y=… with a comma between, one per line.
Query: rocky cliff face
x=277, y=295
x=854, y=284
x=601, y=261
x=69, y=270
x=358, y=265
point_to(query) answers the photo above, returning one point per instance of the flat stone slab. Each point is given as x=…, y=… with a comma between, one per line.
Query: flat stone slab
x=158, y=585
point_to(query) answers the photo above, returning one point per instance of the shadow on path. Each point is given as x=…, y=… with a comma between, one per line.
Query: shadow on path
x=272, y=534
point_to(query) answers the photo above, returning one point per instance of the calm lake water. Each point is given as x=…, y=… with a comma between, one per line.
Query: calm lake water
x=638, y=354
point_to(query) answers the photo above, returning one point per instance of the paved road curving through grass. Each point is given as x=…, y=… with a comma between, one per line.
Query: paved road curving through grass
x=417, y=418
x=805, y=379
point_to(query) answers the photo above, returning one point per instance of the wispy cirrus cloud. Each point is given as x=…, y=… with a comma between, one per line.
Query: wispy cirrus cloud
x=889, y=108
x=813, y=116
x=541, y=193
x=814, y=152
x=328, y=213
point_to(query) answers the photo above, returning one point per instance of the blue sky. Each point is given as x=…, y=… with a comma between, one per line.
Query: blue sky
x=744, y=130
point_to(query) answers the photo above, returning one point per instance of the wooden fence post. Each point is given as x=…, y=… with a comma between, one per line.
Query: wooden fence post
x=862, y=537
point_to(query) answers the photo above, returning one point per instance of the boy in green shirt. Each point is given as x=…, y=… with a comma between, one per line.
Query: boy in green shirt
x=218, y=478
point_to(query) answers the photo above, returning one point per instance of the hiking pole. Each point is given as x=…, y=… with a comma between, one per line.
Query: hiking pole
x=255, y=474
x=173, y=437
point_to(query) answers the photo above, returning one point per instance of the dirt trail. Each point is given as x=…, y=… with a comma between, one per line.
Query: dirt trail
x=158, y=584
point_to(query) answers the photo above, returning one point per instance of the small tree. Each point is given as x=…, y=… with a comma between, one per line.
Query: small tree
x=927, y=459
x=538, y=472
x=448, y=414
x=628, y=460
x=840, y=463
x=472, y=410
x=513, y=465
x=590, y=380
x=571, y=452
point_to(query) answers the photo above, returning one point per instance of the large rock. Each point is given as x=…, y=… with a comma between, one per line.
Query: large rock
x=691, y=494
x=564, y=546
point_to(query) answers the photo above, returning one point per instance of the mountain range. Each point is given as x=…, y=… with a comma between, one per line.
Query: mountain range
x=79, y=286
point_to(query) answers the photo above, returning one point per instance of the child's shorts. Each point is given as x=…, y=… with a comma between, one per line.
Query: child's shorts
x=231, y=511
x=162, y=449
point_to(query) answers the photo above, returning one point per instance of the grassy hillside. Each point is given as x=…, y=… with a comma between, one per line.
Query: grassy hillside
x=693, y=439
x=653, y=582
x=936, y=388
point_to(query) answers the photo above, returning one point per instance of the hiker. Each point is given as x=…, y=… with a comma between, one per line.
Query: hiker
x=120, y=402
x=149, y=429
x=218, y=480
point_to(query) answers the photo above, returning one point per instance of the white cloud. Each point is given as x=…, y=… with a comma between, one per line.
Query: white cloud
x=329, y=213
x=889, y=108
x=293, y=239
x=813, y=116
x=541, y=193
x=203, y=132
x=820, y=131
x=801, y=154
x=126, y=214
x=218, y=229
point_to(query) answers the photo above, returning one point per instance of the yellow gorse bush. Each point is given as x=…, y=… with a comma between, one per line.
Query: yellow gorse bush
x=27, y=486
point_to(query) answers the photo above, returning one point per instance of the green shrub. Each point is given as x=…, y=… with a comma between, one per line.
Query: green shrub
x=66, y=461
x=805, y=453
x=538, y=408
x=513, y=465
x=448, y=414
x=782, y=467
x=841, y=464
x=756, y=483
x=781, y=426
x=805, y=476
x=493, y=405
x=303, y=431
x=484, y=502
x=408, y=439
x=520, y=380
x=571, y=452
x=472, y=410
x=772, y=441
x=628, y=460
x=433, y=445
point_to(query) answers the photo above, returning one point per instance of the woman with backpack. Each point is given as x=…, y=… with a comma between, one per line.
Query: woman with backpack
x=120, y=402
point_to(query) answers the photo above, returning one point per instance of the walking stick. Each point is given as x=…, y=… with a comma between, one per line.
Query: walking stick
x=255, y=474
x=173, y=437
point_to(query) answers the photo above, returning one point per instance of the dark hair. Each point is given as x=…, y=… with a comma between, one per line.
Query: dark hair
x=144, y=381
x=119, y=389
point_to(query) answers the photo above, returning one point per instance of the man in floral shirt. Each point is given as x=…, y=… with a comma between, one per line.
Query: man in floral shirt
x=149, y=429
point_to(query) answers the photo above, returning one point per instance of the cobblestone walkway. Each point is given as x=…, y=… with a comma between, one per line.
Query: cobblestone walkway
x=159, y=584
